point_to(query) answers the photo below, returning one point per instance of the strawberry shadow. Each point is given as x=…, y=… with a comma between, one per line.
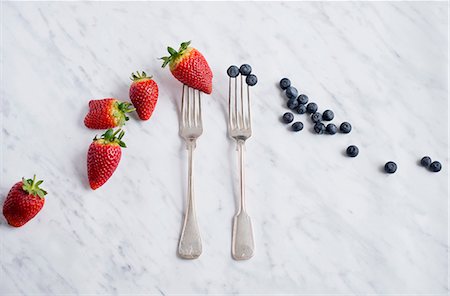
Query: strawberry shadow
x=3, y=221
x=80, y=167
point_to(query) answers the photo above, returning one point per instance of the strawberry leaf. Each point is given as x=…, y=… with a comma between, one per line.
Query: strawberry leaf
x=111, y=136
x=32, y=187
x=171, y=50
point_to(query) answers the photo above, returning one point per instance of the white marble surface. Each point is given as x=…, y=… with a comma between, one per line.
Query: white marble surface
x=324, y=223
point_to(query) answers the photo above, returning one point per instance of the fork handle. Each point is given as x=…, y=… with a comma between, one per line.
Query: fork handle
x=242, y=245
x=190, y=246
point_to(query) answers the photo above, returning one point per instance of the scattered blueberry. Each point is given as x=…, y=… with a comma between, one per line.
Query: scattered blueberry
x=297, y=126
x=390, y=167
x=288, y=117
x=292, y=104
x=285, y=83
x=301, y=109
x=245, y=69
x=233, y=71
x=311, y=108
x=302, y=99
x=435, y=166
x=319, y=128
x=316, y=117
x=328, y=115
x=331, y=128
x=251, y=79
x=425, y=161
x=291, y=92
x=352, y=151
x=345, y=127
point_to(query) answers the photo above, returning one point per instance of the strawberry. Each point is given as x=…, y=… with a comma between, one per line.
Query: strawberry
x=103, y=157
x=190, y=67
x=24, y=201
x=107, y=113
x=143, y=94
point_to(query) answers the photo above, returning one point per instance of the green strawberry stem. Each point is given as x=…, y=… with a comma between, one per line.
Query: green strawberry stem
x=123, y=108
x=32, y=187
x=175, y=54
x=139, y=76
x=110, y=137
x=126, y=107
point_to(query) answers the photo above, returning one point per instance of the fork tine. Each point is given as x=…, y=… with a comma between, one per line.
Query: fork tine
x=189, y=106
x=230, y=104
x=249, y=117
x=194, y=110
x=199, y=114
x=241, y=109
x=183, y=107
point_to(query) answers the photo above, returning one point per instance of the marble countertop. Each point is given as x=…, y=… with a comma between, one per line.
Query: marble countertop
x=324, y=223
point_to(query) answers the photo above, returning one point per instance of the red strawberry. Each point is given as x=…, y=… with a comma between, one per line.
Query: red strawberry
x=24, y=201
x=190, y=67
x=143, y=94
x=107, y=113
x=103, y=157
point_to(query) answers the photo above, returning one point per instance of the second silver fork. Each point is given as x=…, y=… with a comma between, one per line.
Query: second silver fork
x=239, y=126
x=190, y=246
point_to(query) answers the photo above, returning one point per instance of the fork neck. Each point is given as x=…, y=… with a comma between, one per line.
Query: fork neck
x=190, y=144
x=240, y=148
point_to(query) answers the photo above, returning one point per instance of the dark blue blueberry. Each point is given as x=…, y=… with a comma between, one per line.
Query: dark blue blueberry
x=301, y=109
x=297, y=126
x=328, y=115
x=285, y=83
x=319, y=128
x=291, y=92
x=288, y=117
x=316, y=117
x=251, y=79
x=345, y=127
x=245, y=69
x=302, y=99
x=390, y=167
x=425, y=161
x=435, y=166
x=311, y=108
x=233, y=71
x=331, y=128
x=352, y=151
x=292, y=104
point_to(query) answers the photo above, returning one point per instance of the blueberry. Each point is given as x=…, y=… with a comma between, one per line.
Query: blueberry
x=328, y=115
x=390, y=167
x=331, y=128
x=302, y=99
x=285, y=83
x=316, y=117
x=251, y=79
x=311, y=108
x=435, y=166
x=301, y=109
x=288, y=117
x=297, y=126
x=292, y=104
x=245, y=69
x=345, y=127
x=291, y=92
x=233, y=71
x=352, y=151
x=425, y=161
x=319, y=128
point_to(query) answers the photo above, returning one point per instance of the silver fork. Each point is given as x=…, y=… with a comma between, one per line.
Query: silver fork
x=190, y=246
x=239, y=127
